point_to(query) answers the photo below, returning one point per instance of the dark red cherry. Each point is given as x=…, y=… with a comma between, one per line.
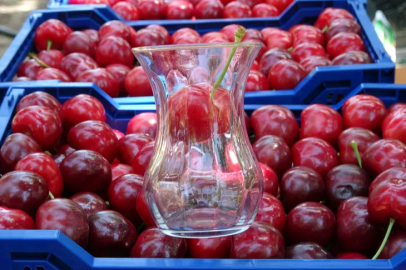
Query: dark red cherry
x=351, y=256
x=143, y=211
x=90, y=203
x=393, y=126
x=306, y=251
x=271, y=212
x=29, y=69
x=102, y=78
x=351, y=58
x=344, y=42
x=41, y=99
x=79, y=42
x=75, y=64
x=256, y=82
x=52, y=74
x=115, y=28
x=303, y=50
x=209, y=248
x=151, y=9
x=52, y=58
x=130, y=145
x=127, y=11
x=236, y=9
x=142, y=158
x=114, y=50
x=143, y=123
x=311, y=62
x=136, y=83
x=179, y=10
x=342, y=25
x=328, y=15
x=263, y=10
x=208, y=9
x=271, y=57
x=53, y=31
x=14, y=219
x=396, y=243
x=285, y=75
x=271, y=184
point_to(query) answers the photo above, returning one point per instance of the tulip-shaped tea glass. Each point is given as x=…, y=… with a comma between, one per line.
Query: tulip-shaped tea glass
x=203, y=179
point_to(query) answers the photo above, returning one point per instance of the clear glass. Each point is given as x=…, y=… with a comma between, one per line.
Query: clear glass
x=203, y=179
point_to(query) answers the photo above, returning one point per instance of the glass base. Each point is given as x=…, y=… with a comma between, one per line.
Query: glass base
x=206, y=234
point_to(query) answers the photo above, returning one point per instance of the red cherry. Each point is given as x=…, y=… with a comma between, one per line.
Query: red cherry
x=256, y=82
x=81, y=108
x=52, y=58
x=122, y=195
x=52, y=74
x=342, y=25
x=143, y=123
x=51, y=30
x=301, y=184
x=41, y=99
x=286, y=74
x=102, y=78
x=93, y=35
x=351, y=256
x=127, y=11
x=281, y=5
x=208, y=9
x=185, y=36
x=206, y=38
x=210, y=248
x=344, y=42
x=142, y=158
x=142, y=210
x=118, y=170
x=264, y=10
x=89, y=202
x=229, y=31
x=14, y=219
x=29, y=69
x=40, y=123
x=115, y=28
x=321, y=121
x=396, y=106
x=364, y=111
x=130, y=145
x=255, y=65
x=79, y=42
x=271, y=212
x=75, y=64
x=254, y=35
x=271, y=184
x=119, y=73
x=151, y=9
x=306, y=49
x=236, y=9
x=114, y=50
x=395, y=244
x=260, y=241
x=316, y=154
x=351, y=58
x=22, y=79
x=66, y=216
x=118, y=133
x=149, y=37
x=153, y=243
x=393, y=126
x=306, y=251
x=179, y=10
x=161, y=29
x=137, y=83
x=271, y=57
x=328, y=15
x=43, y=165
x=25, y=191
x=303, y=33
x=313, y=61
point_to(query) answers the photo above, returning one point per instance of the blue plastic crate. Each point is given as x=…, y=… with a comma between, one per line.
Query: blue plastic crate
x=324, y=84
x=52, y=250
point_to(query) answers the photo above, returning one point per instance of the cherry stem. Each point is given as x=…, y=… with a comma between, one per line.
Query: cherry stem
x=324, y=29
x=51, y=195
x=49, y=45
x=391, y=223
x=239, y=34
x=107, y=203
x=42, y=64
x=354, y=146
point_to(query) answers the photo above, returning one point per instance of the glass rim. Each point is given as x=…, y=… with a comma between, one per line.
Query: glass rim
x=173, y=47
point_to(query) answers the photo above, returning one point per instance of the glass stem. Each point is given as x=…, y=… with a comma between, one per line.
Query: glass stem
x=391, y=223
x=354, y=146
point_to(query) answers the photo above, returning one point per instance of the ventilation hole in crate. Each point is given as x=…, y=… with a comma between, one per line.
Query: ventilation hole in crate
x=340, y=97
x=27, y=268
x=39, y=268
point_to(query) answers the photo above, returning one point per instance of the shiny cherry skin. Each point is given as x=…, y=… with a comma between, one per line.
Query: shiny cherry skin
x=384, y=154
x=253, y=34
x=118, y=170
x=342, y=25
x=303, y=33
x=127, y=11
x=29, y=69
x=351, y=256
x=179, y=10
x=79, y=42
x=344, y=42
x=275, y=120
x=119, y=73
x=66, y=216
x=260, y=241
x=396, y=243
x=58, y=158
x=274, y=152
x=89, y=202
x=351, y=58
x=301, y=184
x=152, y=243
x=310, y=221
x=136, y=83
x=25, y=191
x=21, y=79
x=277, y=38
x=392, y=173
x=93, y=35
x=43, y=165
x=256, y=81
x=355, y=230
x=122, y=195
x=316, y=154
x=307, y=251
x=51, y=30
x=52, y=58
x=321, y=121
x=102, y=78
x=151, y=9
x=96, y=136
x=271, y=212
x=281, y=5
x=271, y=57
x=184, y=31
x=363, y=137
x=142, y=158
x=286, y=74
x=75, y=64
x=86, y=171
x=251, y=3
x=41, y=99
x=264, y=10
x=149, y=37
x=143, y=123
x=81, y=108
x=143, y=211
x=209, y=248
x=114, y=50
x=14, y=219
x=15, y=147
x=255, y=64
x=115, y=28
x=208, y=9
x=328, y=15
x=271, y=184
x=393, y=126
x=161, y=29
x=345, y=181
x=110, y=235
x=130, y=145
x=229, y=31
x=52, y=74
x=396, y=106
x=236, y=9
x=40, y=123
x=186, y=38
x=206, y=38
x=311, y=62
x=306, y=49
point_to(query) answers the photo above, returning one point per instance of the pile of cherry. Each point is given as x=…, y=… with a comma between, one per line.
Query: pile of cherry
x=104, y=57
x=65, y=169
x=132, y=10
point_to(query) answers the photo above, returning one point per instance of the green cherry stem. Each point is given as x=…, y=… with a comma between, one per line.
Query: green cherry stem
x=33, y=56
x=49, y=45
x=354, y=146
x=51, y=196
x=324, y=29
x=239, y=34
x=391, y=223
